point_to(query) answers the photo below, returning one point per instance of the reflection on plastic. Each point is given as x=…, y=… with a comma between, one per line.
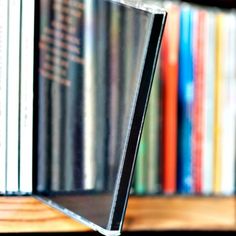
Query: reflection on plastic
x=91, y=60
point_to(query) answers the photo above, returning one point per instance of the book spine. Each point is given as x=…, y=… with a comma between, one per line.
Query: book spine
x=61, y=77
x=228, y=116
x=185, y=99
x=232, y=88
x=153, y=145
x=57, y=108
x=44, y=107
x=102, y=62
x=58, y=103
x=26, y=95
x=218, y=105
x=169, y=65
x=13, y=95
x=141, y=165
x=89, y=98
x=197, y=145
x=114, y=76
x=75, y=102
x=209, y=78
x=3, y=88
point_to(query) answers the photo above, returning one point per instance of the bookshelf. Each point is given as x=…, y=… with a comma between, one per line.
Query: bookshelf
x=26, y=214
x=22, y=214
x=194, y=212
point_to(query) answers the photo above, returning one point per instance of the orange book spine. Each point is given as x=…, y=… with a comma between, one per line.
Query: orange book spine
x=169, y=71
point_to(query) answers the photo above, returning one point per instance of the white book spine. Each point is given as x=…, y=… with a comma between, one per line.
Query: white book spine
x=228, y=122
x=3, y=81
x=13, y=95
x=89, y=100
x=233, y=98
x=208, y=106
x=26, y=96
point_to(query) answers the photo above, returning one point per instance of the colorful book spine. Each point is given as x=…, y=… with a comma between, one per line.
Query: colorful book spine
x=185, y=102
x=169, y=77
x=153, y=145
x=199, y=86
x=218, y=104
x=208, y=126
x=141, y=163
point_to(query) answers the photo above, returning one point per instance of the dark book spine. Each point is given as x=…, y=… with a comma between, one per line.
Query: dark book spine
x=101, y=38
x=44, y=102
x=75, y=100
x=114, y=77
x=60, y=96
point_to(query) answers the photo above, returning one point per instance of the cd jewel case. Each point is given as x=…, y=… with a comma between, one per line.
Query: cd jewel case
x=94, y=65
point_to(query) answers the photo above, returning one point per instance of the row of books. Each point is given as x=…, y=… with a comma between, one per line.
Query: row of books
x=87, y=63
x=87, y=76
x=189, y=137
x=90, y=69
x=16, y=95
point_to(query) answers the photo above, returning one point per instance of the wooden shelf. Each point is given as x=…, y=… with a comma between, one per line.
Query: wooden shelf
x=26, y=214
x=181, y=213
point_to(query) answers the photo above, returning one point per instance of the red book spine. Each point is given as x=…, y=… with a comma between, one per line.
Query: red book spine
x=197, y=144
x=169, y=75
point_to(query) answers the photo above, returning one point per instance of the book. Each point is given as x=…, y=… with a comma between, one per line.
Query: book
x=90, y=97
x=228, y=108
x=185, y=102
x=147, y=175
x=26, y=97
x=199, y=46
x=208, y=106
x=3, y=89
x=13, y=80
x=114, y=93
x=43, y=142
x=169, y=77
x=141, y=165
x=153, y=158
x=218, y=104
x=102, y=71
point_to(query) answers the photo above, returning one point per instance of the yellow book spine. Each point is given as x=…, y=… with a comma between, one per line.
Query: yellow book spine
x=217, y=112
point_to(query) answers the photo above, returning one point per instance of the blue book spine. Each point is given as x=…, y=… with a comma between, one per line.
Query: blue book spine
x=185, y=101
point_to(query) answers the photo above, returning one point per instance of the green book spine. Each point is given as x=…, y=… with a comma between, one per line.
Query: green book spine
x=141, y=166
x=152, y=158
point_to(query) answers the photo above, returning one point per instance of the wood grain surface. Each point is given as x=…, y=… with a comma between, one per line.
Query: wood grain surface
x=26, y=214
x=181, y=213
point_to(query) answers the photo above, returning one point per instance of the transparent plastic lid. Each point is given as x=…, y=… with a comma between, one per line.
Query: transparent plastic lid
x=94, y=70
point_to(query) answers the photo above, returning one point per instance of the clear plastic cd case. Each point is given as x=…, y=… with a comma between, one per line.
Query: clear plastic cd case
x=94, y=65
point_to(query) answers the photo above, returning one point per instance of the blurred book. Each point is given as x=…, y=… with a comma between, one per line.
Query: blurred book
x=196, y=144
